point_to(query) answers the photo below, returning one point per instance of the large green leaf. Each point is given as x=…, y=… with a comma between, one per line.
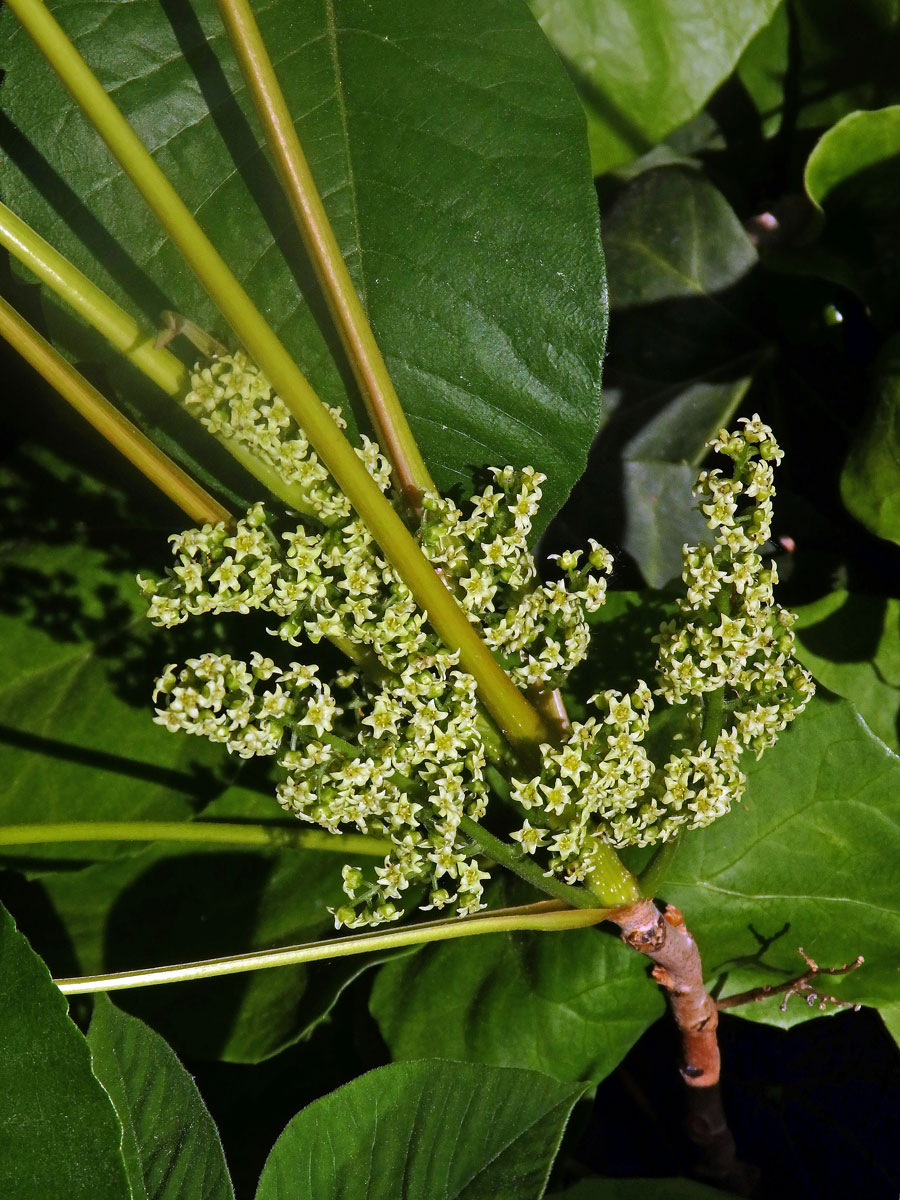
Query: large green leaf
x=170, y=1143
x=870, y=483
x=645, y=68
x=681, y=361
x=851, y=643
x=858, y=159
x=441, y=1130
x=76, y=737
x=450, y=153
x=809, y=859
x=569, y=1004
x=58, y=1131
x=170, y=903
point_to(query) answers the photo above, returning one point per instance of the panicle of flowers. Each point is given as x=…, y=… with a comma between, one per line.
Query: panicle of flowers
x=403, y=756
x=235, y=401
x=726, y=659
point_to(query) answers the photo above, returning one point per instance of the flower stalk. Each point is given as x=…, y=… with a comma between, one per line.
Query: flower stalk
x=410, y=475
x=548, y=916
x=108, y=421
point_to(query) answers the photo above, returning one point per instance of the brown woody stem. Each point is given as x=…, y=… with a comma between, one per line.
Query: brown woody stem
x=799, y=986
x=665, y=939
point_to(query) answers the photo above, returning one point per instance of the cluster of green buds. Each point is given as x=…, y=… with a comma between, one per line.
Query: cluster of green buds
x=398, y=745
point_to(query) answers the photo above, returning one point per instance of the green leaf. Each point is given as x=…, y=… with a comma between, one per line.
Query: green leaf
x=451, y=157
x=442, y=1130
x=641, y=1189
x=858, y=161
x=170, y=1144
x=77, y=741
x=681, y=362
x=178, y=904
x=763, y=68
x=851, y=643
x=643, y=70
x=571, y=1004
x=870, y=482
x=808, y=859
x=58, y=1131
x=890, y=1014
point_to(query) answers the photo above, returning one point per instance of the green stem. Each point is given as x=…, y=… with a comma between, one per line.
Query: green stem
x=92, y=304
x=207, y=832
x=526, y=868
x=124, y=333
x=713, y=715
x=108, y=421
x=392, y=430
x=540, y=917
x=658, y=867
x=521, y=724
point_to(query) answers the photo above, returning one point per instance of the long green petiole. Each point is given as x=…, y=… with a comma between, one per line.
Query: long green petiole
x=108, y=421
x=522, y=725
x=392, y=431
x=549, y=916
x=210, y=833
x=124, y=333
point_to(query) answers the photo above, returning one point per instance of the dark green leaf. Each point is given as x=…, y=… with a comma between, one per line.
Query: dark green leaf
x=643, y=70
x=808, y=859
x=763, y=67
x=870, y=483
x=858, y=160
x=58, y=1131
x=172, y=904
x=890, y=1014
x=851, y=643
x=77, y=741
x=682, y=360
x=442, y=1130
x=452, y=161
x=641, y=1189
x=570, y=1004
x=170, y=1145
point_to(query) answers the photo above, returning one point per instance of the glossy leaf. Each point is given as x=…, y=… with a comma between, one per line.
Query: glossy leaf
x=682, y=360
x=570, y=1004
x=870, y=483
x=851, y=643
x=644, y=69
x=451, y=158
x=59, y=1135
x=386, y=1133
x=859, y=159
x=808, y=859
x=170, y=1144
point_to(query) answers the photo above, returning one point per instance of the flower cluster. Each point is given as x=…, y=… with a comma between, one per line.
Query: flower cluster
x=403, y=754
x=726, y=659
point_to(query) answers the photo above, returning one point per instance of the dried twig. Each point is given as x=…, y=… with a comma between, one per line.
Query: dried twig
x=801, y=986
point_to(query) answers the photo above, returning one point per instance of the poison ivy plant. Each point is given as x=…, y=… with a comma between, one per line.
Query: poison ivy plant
x=170, y=1144
x=452, y=165
x=636, y=67
x=58, y=1131
x=385, y=1133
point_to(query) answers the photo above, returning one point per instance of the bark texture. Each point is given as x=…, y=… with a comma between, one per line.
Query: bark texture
x=666, y=940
